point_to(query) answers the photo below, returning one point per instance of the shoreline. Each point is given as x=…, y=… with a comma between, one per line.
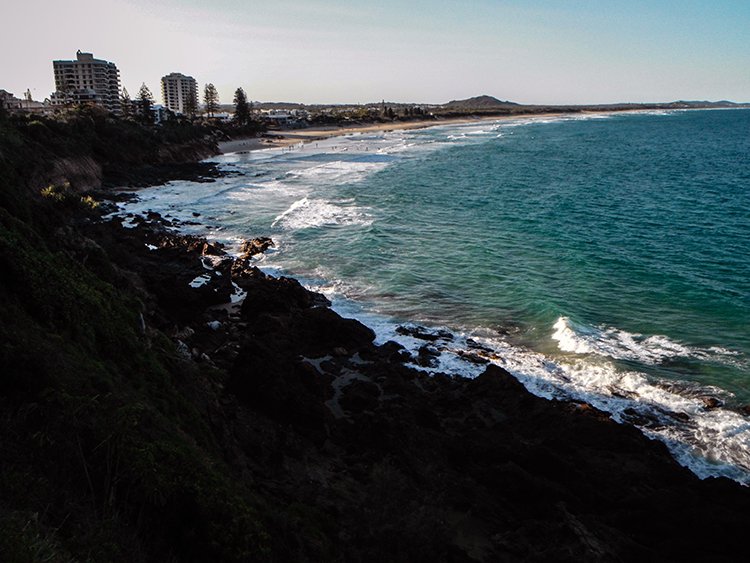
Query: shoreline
x=285, y=138
x=710, y=402
x=290, y=137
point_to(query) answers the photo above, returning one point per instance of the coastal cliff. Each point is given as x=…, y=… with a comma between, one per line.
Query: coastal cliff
x=147, y=417
x=88, y=149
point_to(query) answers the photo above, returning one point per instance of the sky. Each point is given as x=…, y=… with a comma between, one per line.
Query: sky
x=422, y=51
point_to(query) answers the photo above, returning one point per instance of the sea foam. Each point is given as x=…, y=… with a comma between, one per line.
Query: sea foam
x=306, y=213
x=622, y=345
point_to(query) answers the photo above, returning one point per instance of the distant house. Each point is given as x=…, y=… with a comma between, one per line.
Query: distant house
x=13, y=104
x=223, y=116
x=277, y=117
x=178, y=90
x=160, y=113
x=293, y=118
x=32, y=106
x=9, y=101
x=300, y=114
x=87, y=80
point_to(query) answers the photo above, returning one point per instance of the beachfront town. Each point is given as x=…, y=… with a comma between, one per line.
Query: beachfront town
x=93, y=82
x=89, y=81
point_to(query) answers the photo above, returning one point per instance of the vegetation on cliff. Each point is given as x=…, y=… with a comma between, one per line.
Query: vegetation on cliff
x=104, y=458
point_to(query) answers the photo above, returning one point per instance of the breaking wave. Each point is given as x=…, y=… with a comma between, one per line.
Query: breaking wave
x=622, y=345
x=306, y=213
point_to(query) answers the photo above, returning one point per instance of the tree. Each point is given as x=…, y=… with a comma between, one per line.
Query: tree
x=145, y=101
x=241, y=108
x=126, y=105
x=211, y=99
x=190, y=106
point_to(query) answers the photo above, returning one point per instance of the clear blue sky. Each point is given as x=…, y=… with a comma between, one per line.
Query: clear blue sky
x=530, y=51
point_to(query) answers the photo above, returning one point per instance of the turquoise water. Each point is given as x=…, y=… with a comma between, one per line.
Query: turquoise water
x=603, y=257
x=640, y=223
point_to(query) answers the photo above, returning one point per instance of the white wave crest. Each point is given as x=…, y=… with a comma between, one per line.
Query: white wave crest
x=305, y=213
x=622, y=345
x=338, y=171
x=568, y=340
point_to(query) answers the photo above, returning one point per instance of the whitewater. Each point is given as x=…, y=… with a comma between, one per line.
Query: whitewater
x=600, y=258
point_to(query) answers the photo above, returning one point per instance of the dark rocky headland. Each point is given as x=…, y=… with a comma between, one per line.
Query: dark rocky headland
x=147, y=420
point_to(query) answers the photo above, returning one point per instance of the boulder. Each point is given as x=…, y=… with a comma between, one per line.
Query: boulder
x=255, y=246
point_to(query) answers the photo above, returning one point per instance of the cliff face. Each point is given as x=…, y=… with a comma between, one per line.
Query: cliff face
x=187, y=152
x=89, y=149
x=83, y=174
x=145, y=419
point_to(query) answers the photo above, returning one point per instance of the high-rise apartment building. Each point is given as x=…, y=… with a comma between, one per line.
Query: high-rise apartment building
x=177, y=89
x=87, y=80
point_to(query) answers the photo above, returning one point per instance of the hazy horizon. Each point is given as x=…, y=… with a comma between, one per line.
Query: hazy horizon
x=336, y=52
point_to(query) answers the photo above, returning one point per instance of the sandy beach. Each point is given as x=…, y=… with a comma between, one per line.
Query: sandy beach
x=285, y=138
x=293, y=136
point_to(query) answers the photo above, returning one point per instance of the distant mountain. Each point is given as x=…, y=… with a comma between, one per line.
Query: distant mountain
x=478, y=102
x=279, y=105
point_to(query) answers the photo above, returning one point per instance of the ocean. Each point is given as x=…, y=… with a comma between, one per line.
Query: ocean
x=600, y=258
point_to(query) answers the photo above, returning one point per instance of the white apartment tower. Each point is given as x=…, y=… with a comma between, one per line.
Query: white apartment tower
x=176, y=89
x=87, y=80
